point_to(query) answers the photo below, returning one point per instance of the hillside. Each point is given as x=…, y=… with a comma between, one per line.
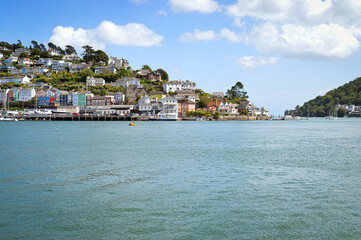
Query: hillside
x=348, y=94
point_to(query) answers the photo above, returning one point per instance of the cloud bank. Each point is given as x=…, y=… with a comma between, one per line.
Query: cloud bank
x=132, y=34
x=210, y=35
x=249, y=62
x=202, y=6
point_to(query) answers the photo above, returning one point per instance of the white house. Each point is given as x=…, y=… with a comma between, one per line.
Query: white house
x=188, y=85
x=71, y=57
x=91, y=81
x=172, y=86
x=24, y=61
x=169, y=110
x=1, y=56
x=26, y=94
x=45, y=61
x=78, y=67
x=118, y=63
x=60, y=65
x=15, y=79
x=126, y=82
x=21, y=50
x=53, y=52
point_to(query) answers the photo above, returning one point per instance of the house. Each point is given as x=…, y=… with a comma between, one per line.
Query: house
x=92, y=82
x=186, y=105
x=18, y=51
x=118, y=63
x=132, y=92
x=169, y=109
x=13, y=58
x=105, y=69
x=26, y=94
x=188, y=85
x=3, y=96
x=78, y=67
x=143, y=72
x=153, y=76
x=45, y=61
x=15, y=79
x=186, y=94
x=13, y=95
x=71, y=57
x=119, y=97
x=7, y=69
x=224, y=107
x=64, y=98
x=145, y=109
x=24, y=61
x=34, y=70
x=80, y=98
x=172, y=86
x=218, y=95
x=100, y=100
x=157, y=94
x=53, y=52
x=1, y=56
x=126, y=82
x=213, y=105
x=60, y=65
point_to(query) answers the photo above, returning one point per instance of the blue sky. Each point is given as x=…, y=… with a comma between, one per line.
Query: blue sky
x=285, y=52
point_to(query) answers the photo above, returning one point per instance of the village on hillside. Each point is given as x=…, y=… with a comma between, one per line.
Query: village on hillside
x=38, y=80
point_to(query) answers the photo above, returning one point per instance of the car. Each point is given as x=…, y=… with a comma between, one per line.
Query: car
x=75, y=114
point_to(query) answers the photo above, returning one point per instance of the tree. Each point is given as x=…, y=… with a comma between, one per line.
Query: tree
x=52, y=45
x=6, y=45
x=44, y=54
x=60, y=50
x=69, y=49
x=35, y=44
x=237, y=93
x=23, y=54
x=100, y=55
x=203, y=101
x=88, y=53
x=147, y=67
x=164, y=74
x=35, y=52
x=42, y=47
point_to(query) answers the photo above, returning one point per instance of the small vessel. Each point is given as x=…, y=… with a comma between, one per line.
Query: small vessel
x=132, y=124
x=8, y=119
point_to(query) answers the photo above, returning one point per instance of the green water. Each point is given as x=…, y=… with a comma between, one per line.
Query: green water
x=181, y=180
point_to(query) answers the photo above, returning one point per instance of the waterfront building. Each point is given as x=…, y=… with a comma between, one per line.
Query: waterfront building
x=178, y=85
x=13, y=95
x=26, y=94
x=69, y=109
x=169, y=108
x=186, y=105
x=80, y=98
x=100, y=100
x=213, y=105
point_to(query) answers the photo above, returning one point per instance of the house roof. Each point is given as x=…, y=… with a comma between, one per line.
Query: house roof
x=215, y=103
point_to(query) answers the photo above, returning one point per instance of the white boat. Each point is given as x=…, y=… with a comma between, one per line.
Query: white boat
x=7, y=119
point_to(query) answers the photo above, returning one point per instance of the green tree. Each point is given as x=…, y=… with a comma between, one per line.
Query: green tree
x=52, y=45
x=35, y=52
x=237, y=93
x=147, y=67
x=88, y=53
x=44, y=54
x=216, y=115
x=203, y=101
x=42, y=47
x=35, y=44
x=100, y=55
x=164, y=74
x=69, y=49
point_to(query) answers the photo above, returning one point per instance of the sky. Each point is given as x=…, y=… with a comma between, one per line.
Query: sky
x=285, y=52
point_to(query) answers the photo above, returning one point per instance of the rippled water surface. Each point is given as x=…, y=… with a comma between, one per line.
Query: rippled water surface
x=181, y=180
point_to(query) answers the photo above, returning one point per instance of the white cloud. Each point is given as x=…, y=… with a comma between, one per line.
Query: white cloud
x=323, y=41
x=203, y=6
x=210, y=35
x=198, y=36
x=132, y=34
x=252, y=62
x=325, y=29
x=140, y=1
x=162, y=12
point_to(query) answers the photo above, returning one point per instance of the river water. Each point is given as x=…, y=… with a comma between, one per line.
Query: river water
x=181, y=180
